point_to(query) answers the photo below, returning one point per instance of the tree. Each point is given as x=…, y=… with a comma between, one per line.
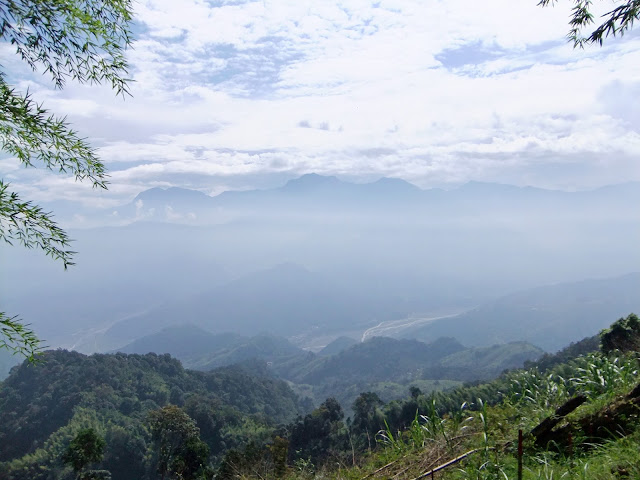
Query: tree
x=367, y=417
x=87, y=447
x=615, y=22
x=279, y=453
x=177, y=439
x=82, y=40
x=623, y=335
x=414, y=391
x=320, y=434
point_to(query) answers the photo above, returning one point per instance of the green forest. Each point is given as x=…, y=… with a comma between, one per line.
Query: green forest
x=131, y=416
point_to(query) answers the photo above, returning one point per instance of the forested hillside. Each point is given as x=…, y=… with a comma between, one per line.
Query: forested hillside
x=131, y=416
x=43, y=406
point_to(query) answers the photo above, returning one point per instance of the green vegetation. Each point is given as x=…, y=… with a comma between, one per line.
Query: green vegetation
x=43, y=408
x=623, y=335
x=387, y=441
x=389, y=367
x=87, y=447
x=144, y=416
x=595, y=437
x=180, y=451
x=575, y=349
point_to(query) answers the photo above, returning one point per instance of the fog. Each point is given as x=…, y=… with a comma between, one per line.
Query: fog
x=317, y=256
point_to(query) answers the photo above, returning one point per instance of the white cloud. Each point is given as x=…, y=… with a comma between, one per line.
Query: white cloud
x=431, y=91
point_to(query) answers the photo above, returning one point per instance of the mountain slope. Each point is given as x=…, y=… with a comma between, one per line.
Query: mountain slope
x=183, y=341
x=337, y=346
x=485, y=363
x=202, y=350
x=269, y=348
x=549, y=317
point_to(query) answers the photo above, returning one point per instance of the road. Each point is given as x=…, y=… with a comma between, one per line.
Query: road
x=393, y=327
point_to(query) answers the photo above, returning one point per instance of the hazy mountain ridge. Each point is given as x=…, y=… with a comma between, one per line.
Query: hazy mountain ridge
x=379, y=359
x=182, y=205
x=289, y=300
x=202, y=350
x=549, y=316
x=182, y=342
x=336, y=346
x=383, y=195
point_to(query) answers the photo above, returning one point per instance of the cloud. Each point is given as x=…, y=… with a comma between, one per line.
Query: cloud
x=619, y=99
x=242, y=94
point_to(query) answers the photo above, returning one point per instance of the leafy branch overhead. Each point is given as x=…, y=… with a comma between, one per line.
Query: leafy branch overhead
x=81, y=40
x=613, y=23
x=84, y=40
x=18, y=337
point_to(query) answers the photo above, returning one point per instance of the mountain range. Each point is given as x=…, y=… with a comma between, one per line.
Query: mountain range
x=297, y=196
x=320, y=258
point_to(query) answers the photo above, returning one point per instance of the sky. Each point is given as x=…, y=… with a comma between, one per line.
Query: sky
x=247, y=94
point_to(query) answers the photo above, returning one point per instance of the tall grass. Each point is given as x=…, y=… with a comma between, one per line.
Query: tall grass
x=598, y=374
x=426, y=430
x=526, y=398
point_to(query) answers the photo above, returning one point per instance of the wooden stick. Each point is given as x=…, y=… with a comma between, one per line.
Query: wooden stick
x=451, y=462
x=520, y=454
x=383, y=468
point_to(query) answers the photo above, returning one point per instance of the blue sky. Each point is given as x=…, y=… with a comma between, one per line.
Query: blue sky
x=246, y=94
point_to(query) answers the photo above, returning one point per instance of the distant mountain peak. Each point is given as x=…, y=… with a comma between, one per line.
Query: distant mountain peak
x=311, y=181
x=397, y=184
x=475, y=186
x=170, y=193
x=478, y=185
